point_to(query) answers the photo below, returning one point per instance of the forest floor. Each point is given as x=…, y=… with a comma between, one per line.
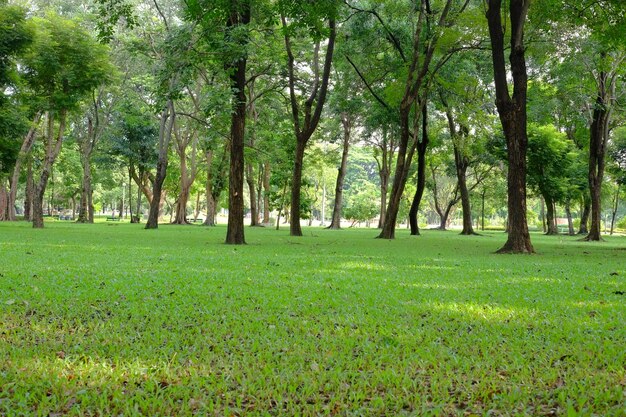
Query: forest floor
x=111, y=319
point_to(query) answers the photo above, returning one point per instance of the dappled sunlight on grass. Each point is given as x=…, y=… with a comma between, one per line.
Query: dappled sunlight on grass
x=173, y=322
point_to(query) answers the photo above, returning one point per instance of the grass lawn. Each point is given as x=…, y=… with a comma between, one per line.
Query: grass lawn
x=111, y=319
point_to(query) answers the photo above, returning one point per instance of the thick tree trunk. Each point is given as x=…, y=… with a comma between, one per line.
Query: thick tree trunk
x=341, y=172
x=168, y=117
x=294, y=226
x=597, y=151
x=512, y=112
x=235, y=231
x=239, y=15
x=266, y=193
x=551, y=226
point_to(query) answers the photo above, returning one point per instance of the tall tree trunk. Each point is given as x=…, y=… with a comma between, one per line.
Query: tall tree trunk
x=53, y=147
x=168, y=117
x=552, y=228
x=512, y=112
x=346, y=122
x=403, y=163
x=239, y=15
x=597, y=150
x=266, y=193
x=421, y=174
x=305, y=128
x=24, y=153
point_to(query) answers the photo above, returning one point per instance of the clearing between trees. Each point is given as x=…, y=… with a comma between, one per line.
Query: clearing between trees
x=110, y=319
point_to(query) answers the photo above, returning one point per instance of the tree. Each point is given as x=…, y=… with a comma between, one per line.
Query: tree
x=62, y=66
x=512, y=112
x=16, y=35
x=309, y=14
x=549, y=161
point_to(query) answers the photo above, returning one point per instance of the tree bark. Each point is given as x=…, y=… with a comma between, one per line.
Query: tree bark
x=85, y=192
x=417, y=70
x=53, y=147
x=584, y=217
x=597, y=150
x=614, y=210
x=346, y=122
x=304, y=131
x=421, y=174
x=168, y=117
x=4, y=199
x=254, y=210
x=239, y=15
x=512, y=112
x=25, y=149
x=30, y=190
x=570, y=221
x=266, y=193
x=551, y=226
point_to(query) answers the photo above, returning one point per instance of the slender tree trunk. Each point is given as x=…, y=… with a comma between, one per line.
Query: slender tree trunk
x=615, y=207
x=85, y=192
x=482, y=214
x=185, y=182
x=30, y=189
x=24, y=153
x=53, y=147
x=584, y=217
x=543, y=215
x=468, y=228
x=4, y=200
x=341, y=172
x=512, y=112
x=254, y=209
x=421, y=174
x=296, y=181
x=266, y=193
x=196, y=212
x=550, y=218
x=570, y=221
x=168, y=117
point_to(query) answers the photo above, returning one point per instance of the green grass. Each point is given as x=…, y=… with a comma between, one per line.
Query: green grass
x=111, y=319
